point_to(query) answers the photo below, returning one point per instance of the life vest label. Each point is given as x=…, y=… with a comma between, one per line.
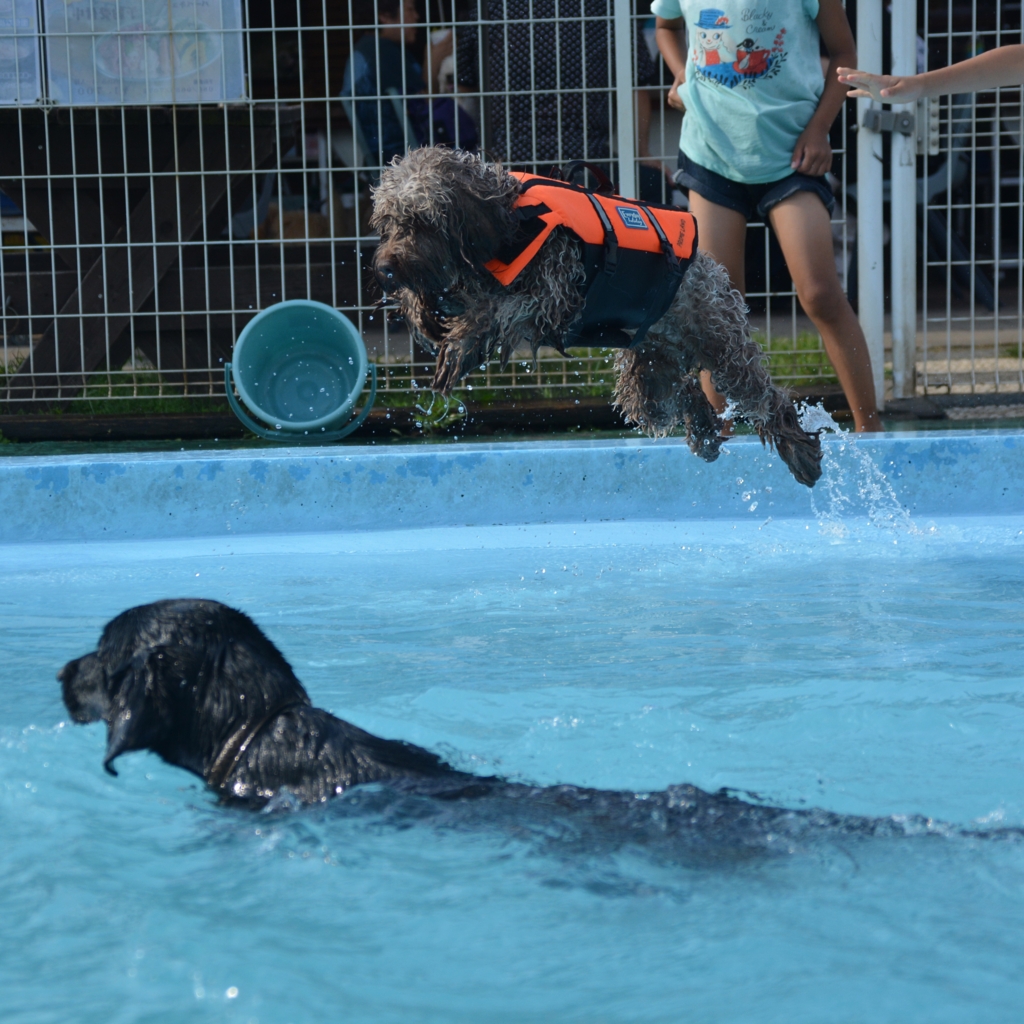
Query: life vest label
x=631, y=217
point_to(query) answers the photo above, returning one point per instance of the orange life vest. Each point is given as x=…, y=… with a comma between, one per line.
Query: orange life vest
x=634, y=253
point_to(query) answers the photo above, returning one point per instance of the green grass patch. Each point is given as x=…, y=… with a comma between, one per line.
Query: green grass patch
x=797, y=362
x=142, y=393
x=584, y=373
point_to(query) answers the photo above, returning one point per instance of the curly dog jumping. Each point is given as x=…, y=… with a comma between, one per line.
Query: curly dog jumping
x=483, y=262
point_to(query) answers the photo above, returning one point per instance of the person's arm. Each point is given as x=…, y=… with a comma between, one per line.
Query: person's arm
x=1003, y=66
x=812, y=154
x=666, y=35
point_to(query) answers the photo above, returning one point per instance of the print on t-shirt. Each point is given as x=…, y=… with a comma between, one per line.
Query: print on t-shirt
x=734, y=52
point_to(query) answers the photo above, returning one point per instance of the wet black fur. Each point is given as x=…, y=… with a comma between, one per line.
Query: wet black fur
x=181, y=678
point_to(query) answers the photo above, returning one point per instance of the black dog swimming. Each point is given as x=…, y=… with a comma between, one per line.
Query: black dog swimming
x=199, y=684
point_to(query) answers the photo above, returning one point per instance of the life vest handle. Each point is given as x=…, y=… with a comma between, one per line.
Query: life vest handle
x=573, y=168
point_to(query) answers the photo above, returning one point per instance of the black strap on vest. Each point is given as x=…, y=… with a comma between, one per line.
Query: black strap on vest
x=677, y=272
x=528, y=227
x=604, y=184
x=666, y=245
x=611, y=243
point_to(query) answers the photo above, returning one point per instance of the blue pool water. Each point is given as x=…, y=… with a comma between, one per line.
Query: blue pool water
x=865, y=666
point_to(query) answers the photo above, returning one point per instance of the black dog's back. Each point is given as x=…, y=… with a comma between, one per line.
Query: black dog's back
x=315, y=756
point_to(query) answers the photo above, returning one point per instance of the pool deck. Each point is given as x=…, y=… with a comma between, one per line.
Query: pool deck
x=151, y=496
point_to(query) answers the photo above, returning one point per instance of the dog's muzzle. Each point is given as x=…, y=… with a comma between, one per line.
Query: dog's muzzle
x=387, y=277
x=83, y=686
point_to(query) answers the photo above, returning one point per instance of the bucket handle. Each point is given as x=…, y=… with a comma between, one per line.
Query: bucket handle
x=279, y=435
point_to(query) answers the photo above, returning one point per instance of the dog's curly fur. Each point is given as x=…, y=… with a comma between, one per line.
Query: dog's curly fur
x=442, y=214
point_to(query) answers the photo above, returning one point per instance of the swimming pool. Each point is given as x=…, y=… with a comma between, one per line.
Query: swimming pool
x=613, y=614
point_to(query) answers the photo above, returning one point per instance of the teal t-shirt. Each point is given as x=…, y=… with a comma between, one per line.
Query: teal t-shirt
x=753, y=81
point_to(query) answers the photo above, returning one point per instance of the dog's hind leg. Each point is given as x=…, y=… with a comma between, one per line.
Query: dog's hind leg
x=703, y=424
x=655, y=390
x=709, y=316
x=645, y=390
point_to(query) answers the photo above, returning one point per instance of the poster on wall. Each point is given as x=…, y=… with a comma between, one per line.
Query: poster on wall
x=139, y=52
x=20, y=81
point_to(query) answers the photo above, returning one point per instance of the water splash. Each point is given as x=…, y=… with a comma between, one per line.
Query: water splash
x=439, y=414
x=850, y=481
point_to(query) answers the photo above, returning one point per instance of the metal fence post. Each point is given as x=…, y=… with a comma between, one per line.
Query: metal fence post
x=625, y=105
x=903, y=212
x=870, y=273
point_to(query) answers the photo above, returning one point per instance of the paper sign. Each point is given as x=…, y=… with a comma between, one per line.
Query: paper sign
x=139, y=52
x=20, y=81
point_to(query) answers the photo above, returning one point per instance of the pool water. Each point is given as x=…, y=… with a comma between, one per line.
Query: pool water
x=873, y=670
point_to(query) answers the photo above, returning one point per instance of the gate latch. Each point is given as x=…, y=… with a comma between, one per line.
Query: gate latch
x=876, y=120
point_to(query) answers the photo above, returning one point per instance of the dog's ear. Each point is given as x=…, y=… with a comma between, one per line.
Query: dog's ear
x=128, y=726
x=486, y=228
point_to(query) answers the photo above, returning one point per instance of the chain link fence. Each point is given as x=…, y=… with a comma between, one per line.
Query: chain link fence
x=970, y=209
x=170, y=167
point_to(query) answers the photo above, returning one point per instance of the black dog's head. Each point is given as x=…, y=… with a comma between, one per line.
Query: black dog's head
x=178, y=678
x=440, y=213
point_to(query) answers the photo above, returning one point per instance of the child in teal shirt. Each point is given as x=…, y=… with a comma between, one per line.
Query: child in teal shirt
x=755, y=143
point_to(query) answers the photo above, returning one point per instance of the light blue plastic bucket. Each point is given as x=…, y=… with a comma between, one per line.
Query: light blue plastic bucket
x=299, y=367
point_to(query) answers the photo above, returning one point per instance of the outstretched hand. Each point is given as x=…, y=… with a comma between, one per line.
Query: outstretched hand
x=881, y=88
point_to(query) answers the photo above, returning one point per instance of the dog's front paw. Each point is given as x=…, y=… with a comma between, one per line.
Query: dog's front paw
x=448, y=371
x=708, y=448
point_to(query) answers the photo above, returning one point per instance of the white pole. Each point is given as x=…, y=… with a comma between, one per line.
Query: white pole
x=624, y=104
x=870, y=273
x=903, y=207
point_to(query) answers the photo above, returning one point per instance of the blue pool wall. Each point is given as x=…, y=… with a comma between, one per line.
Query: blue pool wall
x=369, y=488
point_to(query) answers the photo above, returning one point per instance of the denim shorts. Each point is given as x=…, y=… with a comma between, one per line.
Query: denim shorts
x=748, y=199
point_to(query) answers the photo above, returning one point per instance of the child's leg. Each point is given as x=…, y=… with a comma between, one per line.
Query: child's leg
x=804, y=230
x=722, y=234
